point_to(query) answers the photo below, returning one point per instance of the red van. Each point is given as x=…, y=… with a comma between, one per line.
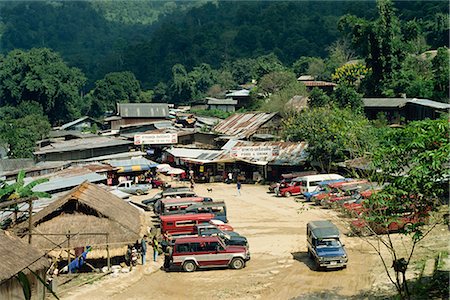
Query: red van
x=191, y=253
x=183, y=224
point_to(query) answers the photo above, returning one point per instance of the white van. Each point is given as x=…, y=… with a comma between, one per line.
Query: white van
x=310, y=182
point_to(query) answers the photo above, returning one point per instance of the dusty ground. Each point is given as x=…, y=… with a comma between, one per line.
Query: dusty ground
x=279, y=268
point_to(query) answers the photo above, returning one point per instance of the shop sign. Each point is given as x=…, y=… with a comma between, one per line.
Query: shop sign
x=155, y=139
x=256, y=152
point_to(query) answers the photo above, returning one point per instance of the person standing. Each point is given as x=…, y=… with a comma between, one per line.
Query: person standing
x=155, y=248
x=144, y=249
x=238, y=186
x=230, y=177
x=167, y=256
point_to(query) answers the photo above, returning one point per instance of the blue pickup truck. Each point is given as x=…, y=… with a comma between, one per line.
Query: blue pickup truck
x=324, y=245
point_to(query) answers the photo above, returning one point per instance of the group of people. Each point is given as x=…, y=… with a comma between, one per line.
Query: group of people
x=140, y=248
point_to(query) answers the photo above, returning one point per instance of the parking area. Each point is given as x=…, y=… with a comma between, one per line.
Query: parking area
x=279, y=267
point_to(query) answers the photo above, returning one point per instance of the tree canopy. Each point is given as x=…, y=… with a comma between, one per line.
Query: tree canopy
x=41, y=75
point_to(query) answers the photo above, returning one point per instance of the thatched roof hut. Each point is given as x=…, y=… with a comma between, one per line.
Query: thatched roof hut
x=84, y=210
x=17, y=256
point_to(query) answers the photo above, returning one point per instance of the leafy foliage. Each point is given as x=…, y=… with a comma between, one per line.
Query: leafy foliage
x=413, y=162
x=41, y=75
x=332, y=134
x=21, y=127
x=217, y=113
x=115, y=87
x=318, y=98
x=347, y=96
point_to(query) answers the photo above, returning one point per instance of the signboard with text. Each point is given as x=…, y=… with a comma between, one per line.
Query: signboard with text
x=156, y=139
x=257, y=152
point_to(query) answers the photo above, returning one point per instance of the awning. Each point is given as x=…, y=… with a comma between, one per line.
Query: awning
x=136, y=168
x=132, y=165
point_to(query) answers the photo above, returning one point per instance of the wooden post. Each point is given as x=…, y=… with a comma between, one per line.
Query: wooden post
x=108, y=259
x=30, y=222
x=68, y=246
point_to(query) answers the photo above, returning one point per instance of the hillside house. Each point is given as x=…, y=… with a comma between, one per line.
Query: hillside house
x=137, y=113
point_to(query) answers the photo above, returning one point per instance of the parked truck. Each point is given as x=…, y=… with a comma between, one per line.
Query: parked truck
x=324, y=245
x=135, y=189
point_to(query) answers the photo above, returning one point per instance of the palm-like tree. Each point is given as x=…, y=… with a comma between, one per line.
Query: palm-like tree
x=20, y=190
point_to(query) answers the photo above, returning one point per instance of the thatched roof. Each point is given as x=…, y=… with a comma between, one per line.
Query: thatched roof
x=87, y=209
x=16, y=255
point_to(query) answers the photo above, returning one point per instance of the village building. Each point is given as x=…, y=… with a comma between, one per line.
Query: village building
x=310, y=83
x=226, y=105
x=248, y=161
x=297, y=103
x=241, y=96
x=246, y=125
x=136, y=113
x=396, y=110
x=18, y=256
x=82, y=124
x=88, y=215
x=77, y=149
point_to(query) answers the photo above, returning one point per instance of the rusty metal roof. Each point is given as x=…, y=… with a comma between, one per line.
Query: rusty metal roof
x=243, y=125
x=290, y=153
x=312, y=83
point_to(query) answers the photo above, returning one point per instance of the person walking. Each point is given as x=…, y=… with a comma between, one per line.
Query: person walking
x=238, y=186
x=143, y=249
x=155, y=248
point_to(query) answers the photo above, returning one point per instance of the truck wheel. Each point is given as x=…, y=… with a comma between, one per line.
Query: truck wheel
x=189, y=266
x=237, y=263
x=139, y=192
x=287, y=194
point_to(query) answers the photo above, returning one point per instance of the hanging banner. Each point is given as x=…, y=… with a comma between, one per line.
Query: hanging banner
x=155, y=139
x=257, y=152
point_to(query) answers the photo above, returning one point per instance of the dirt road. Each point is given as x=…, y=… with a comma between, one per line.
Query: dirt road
x=279, y=268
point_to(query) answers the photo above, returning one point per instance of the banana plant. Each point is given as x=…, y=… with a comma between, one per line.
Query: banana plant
x=19, y=189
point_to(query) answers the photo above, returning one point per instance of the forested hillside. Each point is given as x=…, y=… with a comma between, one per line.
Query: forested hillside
x=150, y=37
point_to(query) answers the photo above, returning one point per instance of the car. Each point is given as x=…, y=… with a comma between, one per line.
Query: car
x=279, y=185
x=229, y=237
x=192, y=253
x=182, y=193
x=132, y=188
x=324, y=245
x=402, y=222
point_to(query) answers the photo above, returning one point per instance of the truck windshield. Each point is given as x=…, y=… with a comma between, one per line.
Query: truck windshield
x=328, y=243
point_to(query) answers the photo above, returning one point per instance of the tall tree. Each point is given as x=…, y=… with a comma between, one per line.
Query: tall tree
x=21, y=127
x=412, y=165
x=441, y=74
x=332, y=134
x=115, y=87
x=41, y=75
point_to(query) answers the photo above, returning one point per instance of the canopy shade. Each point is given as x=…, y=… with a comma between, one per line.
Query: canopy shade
x=176, y=171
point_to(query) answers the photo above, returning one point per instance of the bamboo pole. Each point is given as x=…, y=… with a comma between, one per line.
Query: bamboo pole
x=30, y=221
x=108, y=259
x=68, y=256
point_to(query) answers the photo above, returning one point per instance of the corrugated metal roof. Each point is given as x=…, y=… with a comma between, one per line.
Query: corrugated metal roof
x=143, y=110
x=384, y=102
x=67, y=125
x=214, y=101
x=132, y=162
x=82, y=144
x=194, y=153
x=313, y=83
x=67, y=182
x=130, y=154
x=243, y=125
x=430, y=103
x=239, y=93
x=290, y=153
